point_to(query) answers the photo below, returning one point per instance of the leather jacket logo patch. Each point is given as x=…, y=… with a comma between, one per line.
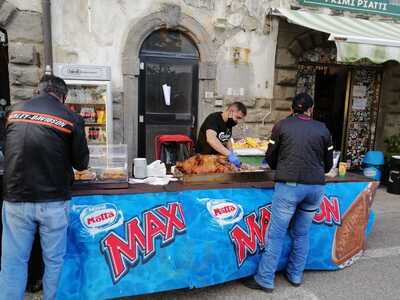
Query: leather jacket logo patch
x=40, y=119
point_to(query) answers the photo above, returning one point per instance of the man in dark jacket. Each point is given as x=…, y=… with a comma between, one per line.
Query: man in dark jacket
x=44, y=141
x=300, y=150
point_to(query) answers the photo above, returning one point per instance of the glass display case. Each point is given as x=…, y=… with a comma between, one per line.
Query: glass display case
x=107, y=164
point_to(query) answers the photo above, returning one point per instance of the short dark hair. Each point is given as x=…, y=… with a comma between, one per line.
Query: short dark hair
x=53, y=84
x=301, y=103
x=240, y=107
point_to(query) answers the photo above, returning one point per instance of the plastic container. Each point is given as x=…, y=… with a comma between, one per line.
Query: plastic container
x=110, y=162
x=393, y=185
x=140, y=168
x=342, y=169
x=252, y=160
x=373, y=164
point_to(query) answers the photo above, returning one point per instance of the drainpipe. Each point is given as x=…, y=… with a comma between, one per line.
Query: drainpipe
x=48, y=49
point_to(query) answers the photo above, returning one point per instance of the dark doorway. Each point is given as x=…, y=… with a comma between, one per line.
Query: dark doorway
x=330, y=100
x=167, y=58
x=4, y=83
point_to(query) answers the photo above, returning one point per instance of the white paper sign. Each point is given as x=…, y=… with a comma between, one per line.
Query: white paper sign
x=167, y=94
x=359, y=103
x=359, y=91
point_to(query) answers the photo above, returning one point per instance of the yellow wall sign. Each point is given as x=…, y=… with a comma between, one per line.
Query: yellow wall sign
x=384, y=7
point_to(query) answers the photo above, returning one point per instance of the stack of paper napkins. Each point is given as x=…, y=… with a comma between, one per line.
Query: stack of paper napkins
x=154, y=180
x=156, y=169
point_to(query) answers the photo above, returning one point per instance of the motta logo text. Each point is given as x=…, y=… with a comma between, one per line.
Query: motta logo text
x=224, y=211
x=101, y=218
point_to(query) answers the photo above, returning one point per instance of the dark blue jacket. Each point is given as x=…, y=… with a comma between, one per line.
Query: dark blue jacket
x=300, y=150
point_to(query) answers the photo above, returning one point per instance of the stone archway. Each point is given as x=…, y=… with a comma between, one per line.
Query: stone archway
x=169, y=17
x=308, y=41
x=293, y=42
x=25, y=49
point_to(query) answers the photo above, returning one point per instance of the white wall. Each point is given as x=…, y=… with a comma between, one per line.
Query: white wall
x=254, y=77
x=32, y=5
x=99, y=39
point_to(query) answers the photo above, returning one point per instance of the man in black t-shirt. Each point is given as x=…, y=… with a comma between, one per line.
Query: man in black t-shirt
x=216, y=131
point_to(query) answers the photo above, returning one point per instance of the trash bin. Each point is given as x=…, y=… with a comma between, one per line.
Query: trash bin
x=372, y=164
x=393, y=185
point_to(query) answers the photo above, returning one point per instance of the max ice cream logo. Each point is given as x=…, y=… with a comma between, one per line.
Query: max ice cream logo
x=101, y=218
x=123, y=252
x=248, y=241
x=329, y=212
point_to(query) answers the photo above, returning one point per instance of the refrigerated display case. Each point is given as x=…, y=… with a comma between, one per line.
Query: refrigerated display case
x=92, y=100
x=89, y=95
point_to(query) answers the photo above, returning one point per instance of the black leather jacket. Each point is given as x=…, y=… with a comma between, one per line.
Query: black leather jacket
x=300, y=150
x=44, y=141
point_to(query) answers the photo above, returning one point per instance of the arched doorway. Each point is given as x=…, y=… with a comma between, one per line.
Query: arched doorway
x=346, y=98
x=4, y=83
x=320, y=76
x=168, y=58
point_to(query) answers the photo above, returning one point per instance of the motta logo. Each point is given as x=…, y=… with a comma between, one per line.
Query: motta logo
x=224, y=211
x=101, y=218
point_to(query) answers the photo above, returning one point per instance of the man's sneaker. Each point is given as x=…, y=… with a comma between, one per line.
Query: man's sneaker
x=252, y=284
x=295, y=284
x=34, y=286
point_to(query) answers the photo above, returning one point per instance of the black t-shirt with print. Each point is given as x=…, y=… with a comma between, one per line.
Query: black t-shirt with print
x=214, y=122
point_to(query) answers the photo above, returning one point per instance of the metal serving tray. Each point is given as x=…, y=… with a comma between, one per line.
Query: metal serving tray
x=248, y=176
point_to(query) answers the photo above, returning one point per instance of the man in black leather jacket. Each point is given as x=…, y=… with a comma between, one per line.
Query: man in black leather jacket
x=44, y=141
x=300, y=150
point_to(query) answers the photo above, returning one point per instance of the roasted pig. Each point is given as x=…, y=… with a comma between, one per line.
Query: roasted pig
x=202, y=164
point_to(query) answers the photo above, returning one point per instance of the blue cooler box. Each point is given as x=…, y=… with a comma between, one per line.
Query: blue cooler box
x=372, y=164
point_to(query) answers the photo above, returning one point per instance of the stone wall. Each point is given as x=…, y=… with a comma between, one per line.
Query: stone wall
x=293, y=42
x=25, y=48
x=287, y=52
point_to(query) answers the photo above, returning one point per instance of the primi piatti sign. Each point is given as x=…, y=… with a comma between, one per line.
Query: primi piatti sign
x=384, y=7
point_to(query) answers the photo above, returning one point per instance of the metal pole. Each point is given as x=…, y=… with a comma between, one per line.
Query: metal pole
x=48, y=50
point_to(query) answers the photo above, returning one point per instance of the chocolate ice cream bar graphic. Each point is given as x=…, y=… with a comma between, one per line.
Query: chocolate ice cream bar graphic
x=350, y=237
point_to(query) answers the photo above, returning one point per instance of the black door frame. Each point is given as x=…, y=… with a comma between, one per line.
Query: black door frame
x=170, y=58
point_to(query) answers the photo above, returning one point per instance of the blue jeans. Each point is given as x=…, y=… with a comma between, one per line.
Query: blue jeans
x=296, y=203
x=20, y=222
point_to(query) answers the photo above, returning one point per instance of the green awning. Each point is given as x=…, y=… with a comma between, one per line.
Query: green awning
x=355, y=38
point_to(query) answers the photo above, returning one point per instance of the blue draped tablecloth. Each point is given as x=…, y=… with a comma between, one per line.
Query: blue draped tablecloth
x=131, y=244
